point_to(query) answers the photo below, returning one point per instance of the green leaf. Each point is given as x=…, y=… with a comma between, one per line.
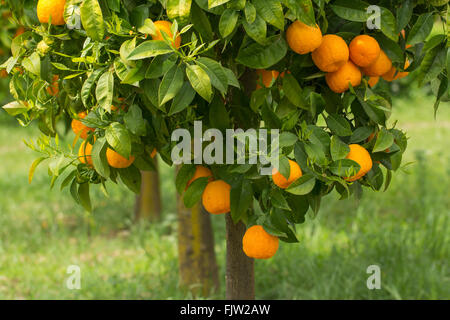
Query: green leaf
x=99, y=157
x=293, y=91
x=148, y=49
x=183, y=99
x=125, y=49
x=360, y=134
x=352, y=10
x=200, y=81
x=388, y=24
x=33, y=63
x=432, y=64
x=339, y=125
x=194, y=192
x=303, y=185
x=160, y=65
x=228, y=21
x=287, y=139
x=105, y=90
x=33, y=168
x=134, y=121
x=421, y=29
x=278, y=200
x=216, y=73
x=218, y=115
x=86, y=89
x=257, y=56
x=257, y=30
x=179, y=9
x=271, y=11
x=385, y=139
x=119, y=139
x=344, y=167
x=131, y=177
x=338, y=149
x=250, y=12
x=241, y=198
x=216, y=3
x=92, y=19
x=83, y=196
x=404, y=14
x=171, y=84
x=185, y=174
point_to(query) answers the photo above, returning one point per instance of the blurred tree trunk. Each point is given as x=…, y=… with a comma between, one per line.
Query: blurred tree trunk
x=240, y=277
x=148, y=202
x=197, y=259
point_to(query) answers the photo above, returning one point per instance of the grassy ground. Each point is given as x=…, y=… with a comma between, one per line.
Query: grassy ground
x=405, y=231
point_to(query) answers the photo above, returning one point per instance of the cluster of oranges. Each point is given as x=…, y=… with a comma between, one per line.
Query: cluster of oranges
x=344, y=64
x=113, y=158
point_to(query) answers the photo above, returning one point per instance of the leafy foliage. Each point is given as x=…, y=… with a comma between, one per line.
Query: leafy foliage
x=106, y=56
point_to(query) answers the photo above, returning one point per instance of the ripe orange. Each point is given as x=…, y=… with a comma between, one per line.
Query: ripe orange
x=303, y=38
x=85, y=152
x=20, y=30
x=53, y=9
x=117, y=161
x=332, y=54
x=338, y=80
x=364, y=50
x=216, y=197
x=53, y=89
x=266, y=77
x=392, y=74
x=3, y=73
x=382, y=65
x=258, y=244
x=79, y=128
x=361, y=156
x=165, y=26
x=200, y=172
x=281, y=180
x=373, y=81
x=154, y=153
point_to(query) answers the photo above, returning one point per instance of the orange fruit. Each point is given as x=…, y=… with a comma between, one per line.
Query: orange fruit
x=53, y=89
x=361, y=156
x=382, y=65
x=266, y=77
x=258, y=244
x=216, y=197
x=85, y=152
x=338, y=81
x=364, y=50
x=303, y=38
x=79, y=128
x=200, y=172
x=281, y=180
x=117, y=161
x=53, y=9
x=122, y=107
x=153, y=154
x=20, y=30
x=165, y=27
x=392, y=74
x=3, y=73
x=332, y=54
x=373, y=81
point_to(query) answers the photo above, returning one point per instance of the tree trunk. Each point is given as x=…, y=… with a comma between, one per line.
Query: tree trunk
x=148, y=202
x=197, y=259
x=240, y=277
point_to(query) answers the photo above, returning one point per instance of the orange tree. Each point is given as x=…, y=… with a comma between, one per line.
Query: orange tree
x=131, y=72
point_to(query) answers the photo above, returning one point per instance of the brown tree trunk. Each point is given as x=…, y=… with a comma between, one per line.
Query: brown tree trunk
x=148, y=202
x=197, y=259
x=240, y=277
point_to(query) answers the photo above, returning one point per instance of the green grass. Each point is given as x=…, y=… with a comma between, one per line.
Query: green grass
x=404, y=230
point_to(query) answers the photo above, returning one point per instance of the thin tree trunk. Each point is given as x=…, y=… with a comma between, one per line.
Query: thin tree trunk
x=197, y=259
x=148, y=202
x=240, y=277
